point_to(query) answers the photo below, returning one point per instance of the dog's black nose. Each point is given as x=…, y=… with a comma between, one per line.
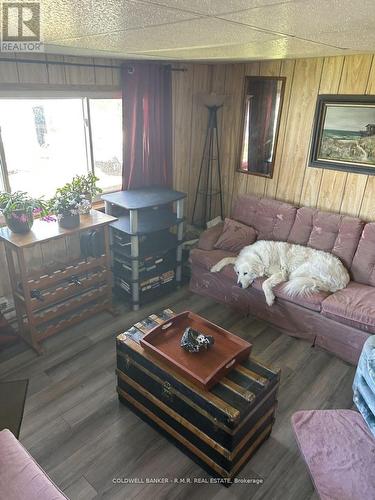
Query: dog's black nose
x=240, y=285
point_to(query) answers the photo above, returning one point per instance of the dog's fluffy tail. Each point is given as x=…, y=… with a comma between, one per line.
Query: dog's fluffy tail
x=304, y=286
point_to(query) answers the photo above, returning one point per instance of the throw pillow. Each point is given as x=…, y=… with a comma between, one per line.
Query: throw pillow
x=235, y=236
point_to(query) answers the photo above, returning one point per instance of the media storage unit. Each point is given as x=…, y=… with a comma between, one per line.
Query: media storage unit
x=146, y=241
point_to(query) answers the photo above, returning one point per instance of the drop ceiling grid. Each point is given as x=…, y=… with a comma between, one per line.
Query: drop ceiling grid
x=212, y=29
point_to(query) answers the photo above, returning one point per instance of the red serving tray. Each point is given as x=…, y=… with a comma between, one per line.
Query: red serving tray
x=204, y=368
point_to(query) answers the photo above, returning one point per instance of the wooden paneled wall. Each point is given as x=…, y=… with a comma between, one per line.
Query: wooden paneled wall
x=19, y=73
x=23, y=73
x=293, y=180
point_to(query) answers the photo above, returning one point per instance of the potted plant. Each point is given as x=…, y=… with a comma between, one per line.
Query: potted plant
x=87, y=186
x=67, y=205
x=19, y=208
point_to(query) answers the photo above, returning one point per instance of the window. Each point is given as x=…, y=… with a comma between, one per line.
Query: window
x=106, y=127
x=44, y=142
x=2, y=181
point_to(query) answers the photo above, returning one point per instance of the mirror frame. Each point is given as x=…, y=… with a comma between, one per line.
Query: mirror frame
x=247, y=81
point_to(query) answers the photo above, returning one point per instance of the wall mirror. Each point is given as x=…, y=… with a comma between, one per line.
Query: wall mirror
x=263, y=99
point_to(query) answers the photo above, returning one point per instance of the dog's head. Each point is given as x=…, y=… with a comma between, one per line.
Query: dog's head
x=247, y=269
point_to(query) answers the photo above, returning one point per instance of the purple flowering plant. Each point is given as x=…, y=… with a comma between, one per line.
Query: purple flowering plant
x=68, y=201
x=21, y=206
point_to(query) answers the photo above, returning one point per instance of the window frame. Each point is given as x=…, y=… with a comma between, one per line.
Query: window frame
x=3, y=168
x=85, y=93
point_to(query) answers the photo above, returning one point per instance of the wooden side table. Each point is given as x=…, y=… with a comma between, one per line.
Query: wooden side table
x=56, y=297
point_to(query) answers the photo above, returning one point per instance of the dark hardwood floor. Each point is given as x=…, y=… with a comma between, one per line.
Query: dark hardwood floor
x=79, y=433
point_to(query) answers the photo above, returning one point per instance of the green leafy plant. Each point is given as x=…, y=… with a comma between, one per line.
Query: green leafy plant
x=21, y=202
x=75, y=197
x=68, y=202
x=86, y=184
x=19, y=209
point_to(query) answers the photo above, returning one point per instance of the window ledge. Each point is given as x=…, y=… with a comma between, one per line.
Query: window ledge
x=98, y=205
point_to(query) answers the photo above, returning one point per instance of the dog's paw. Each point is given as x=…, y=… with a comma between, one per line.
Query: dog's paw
x=270, y=299
x=215, y=268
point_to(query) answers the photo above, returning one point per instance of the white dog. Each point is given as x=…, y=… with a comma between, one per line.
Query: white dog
x=306, y=270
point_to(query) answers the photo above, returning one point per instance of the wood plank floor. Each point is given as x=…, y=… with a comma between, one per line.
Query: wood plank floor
x=79, y=433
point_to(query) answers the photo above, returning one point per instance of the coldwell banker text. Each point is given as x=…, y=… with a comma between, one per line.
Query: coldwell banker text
x=21, y=27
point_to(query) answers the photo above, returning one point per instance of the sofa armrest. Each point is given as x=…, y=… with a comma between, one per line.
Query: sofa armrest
x=209, y=237
x=21, y=476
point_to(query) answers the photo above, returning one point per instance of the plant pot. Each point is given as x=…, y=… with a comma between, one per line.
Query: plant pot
x=69, y=221
x=19, y=221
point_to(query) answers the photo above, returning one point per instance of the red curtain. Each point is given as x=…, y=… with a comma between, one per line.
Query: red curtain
x=147, y=125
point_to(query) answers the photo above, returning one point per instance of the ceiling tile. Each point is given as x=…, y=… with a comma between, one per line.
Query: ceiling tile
x=215, y=7
x=204, y=29
x=71, y=18
x=72, y=50
x=306, y=17
x=281, y=48
x=203, y=32
x=360, y=40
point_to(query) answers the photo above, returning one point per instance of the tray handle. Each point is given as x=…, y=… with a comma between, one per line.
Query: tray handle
x=171, y=321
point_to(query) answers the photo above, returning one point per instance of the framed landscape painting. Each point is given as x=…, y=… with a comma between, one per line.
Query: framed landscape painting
x=344, y=133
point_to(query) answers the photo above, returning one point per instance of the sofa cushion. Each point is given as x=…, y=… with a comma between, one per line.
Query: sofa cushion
x=334, y=233
x=354, y=306
x=235, y=236
x=21, y=478
x=210, y=236
x=312, y=301
x=363, y=266
x=206, y=259
x=339, y=451
x=271, y=219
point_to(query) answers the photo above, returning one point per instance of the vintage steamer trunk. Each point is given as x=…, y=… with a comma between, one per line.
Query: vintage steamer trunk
x=220, y=429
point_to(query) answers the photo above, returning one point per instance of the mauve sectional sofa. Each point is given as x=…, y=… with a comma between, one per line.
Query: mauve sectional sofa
x=339, y=322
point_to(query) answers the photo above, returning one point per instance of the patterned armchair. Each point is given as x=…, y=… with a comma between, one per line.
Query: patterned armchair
x=338, y=446
x=364, y=383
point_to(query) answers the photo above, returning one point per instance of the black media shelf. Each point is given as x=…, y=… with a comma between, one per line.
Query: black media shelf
x=151, y=247
x=150, y=230
x=149, y=221
x=126, y=274
x=149, y=295
x=137, y=199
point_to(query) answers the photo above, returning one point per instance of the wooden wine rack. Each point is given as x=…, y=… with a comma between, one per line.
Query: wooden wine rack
x=66, y=289
x=67, y=293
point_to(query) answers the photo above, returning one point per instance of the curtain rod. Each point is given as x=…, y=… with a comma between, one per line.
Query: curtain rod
x=62, y=63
